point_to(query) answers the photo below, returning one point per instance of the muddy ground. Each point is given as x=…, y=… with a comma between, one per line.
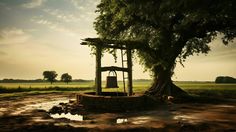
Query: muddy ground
x=29, y=113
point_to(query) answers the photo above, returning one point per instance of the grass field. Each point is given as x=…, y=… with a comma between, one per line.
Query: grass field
x=200, y=88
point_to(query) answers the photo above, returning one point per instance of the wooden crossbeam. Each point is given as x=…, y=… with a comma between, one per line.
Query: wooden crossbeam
x=116, y=44
x=114, y=68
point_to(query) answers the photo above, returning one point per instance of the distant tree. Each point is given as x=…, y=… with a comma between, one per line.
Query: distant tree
x=219, y=79
x=66, y=78
x=50, y=76
x=225, y=79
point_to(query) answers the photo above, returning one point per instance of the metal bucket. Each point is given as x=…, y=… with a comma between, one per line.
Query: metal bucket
x=112, y=80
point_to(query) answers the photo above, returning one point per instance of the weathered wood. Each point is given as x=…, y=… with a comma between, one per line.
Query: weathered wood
x=116, y=44
x=129, y=64
x=114, y=68
x=123, y=73
x=98, y=79
x=106, y=45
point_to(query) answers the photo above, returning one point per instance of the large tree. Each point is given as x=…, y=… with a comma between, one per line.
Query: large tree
x=50, y=76
x=170, y=30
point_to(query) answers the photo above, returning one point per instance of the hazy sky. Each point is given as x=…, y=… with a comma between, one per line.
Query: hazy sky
x=39, y=35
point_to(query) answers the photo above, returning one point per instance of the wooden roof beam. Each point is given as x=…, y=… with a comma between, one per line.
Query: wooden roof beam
x=117, y=44
x=114, y=68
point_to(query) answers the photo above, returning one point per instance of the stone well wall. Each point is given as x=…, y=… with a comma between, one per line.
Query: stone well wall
x=112, y=103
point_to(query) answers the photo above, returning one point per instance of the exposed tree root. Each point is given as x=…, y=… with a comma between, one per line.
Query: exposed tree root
x=166, y=91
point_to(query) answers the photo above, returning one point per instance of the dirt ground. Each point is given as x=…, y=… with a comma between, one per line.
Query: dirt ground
x=29, y=113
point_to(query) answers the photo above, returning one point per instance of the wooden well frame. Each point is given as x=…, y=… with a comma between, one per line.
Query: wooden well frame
x=99, y=44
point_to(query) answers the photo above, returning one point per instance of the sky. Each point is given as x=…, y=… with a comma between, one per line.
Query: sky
x=40, y=35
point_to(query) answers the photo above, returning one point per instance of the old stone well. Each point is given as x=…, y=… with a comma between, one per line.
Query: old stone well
x=113, y=101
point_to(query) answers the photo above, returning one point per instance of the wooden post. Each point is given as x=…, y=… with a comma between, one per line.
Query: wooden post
x=129, y=64
x=98, y=79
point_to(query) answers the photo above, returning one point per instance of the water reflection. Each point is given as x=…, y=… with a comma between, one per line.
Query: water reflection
x=141, y=120
x=225, y=106
x=68, y=116
x=182, y=117
x=46, y=105
x=134, y=120
x=43, y=106
x=121, y=120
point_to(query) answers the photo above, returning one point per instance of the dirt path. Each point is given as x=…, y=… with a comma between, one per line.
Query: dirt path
x=28, y=113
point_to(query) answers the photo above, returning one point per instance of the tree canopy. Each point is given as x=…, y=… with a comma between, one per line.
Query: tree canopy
x=225, y=79
x=171, y=30
x=50, y=76
x=66, y=78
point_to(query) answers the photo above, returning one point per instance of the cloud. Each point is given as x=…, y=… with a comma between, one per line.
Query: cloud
x=3, y=5
x=13, y=36
x=86, y=8
x=67, y=17
x=72, y=16
x=2, y=53
x=84, y=4
x=33, y=4
x=77, y=4
x=54, y=26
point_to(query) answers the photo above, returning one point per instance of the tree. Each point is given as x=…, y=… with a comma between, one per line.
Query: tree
x=170, y=30
x=66, y=78
x=225, y=79
x=50, y=76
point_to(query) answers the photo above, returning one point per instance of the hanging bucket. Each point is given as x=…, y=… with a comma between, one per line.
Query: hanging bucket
x=112, y=80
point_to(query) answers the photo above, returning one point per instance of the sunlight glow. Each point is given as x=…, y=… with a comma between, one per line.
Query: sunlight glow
x=39, y=35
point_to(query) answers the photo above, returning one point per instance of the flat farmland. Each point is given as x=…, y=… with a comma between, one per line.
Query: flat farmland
x=138, y=85
x=205, y=88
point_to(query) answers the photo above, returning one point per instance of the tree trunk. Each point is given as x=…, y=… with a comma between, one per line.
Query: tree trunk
x=163, y=86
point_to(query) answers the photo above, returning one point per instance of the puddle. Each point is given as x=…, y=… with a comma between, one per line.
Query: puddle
x=191, y=118
x=42, y=106
x=47, y=106
x=141, y=120
x=40, y=119
x=134, y=120
x=2, y=110
x=121, y=120
x=68, y=116
x=225, y=106
x=182, y=117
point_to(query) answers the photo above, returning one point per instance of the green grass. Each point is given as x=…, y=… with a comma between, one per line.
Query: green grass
x=205, y=85
x=47, y=85
x=209, y=89
x=199, y=88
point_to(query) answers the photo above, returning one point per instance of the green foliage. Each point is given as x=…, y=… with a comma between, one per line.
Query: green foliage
x=103, y=50
x=50, y=76
x=56, y=88
x=66, y=78
x=225, y=79
x=170, y=29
